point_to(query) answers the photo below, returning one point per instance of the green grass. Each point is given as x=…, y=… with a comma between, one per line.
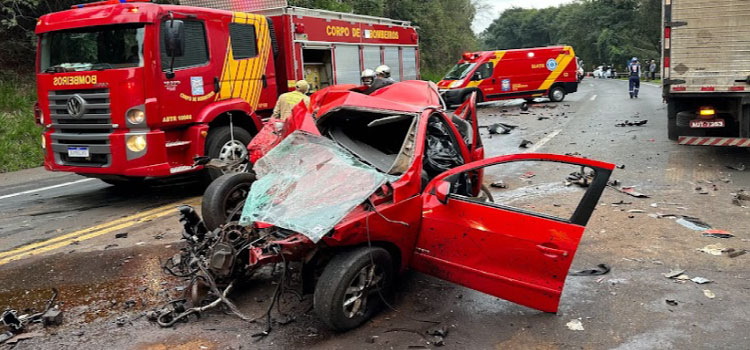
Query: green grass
x=433, y=76
x=20, y=138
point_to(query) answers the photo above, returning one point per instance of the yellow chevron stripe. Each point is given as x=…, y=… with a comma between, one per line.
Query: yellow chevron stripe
x=498, y=56
x=562, y=62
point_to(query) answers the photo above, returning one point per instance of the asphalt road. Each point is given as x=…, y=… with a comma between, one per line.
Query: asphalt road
x=57, y=230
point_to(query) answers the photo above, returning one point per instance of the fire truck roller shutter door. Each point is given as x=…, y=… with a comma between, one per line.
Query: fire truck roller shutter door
x=392, y=60
x=371, y=56
x=409, y=55
x=347, y=64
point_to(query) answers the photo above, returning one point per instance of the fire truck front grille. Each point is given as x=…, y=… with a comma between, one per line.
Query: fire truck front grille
x=81, y=120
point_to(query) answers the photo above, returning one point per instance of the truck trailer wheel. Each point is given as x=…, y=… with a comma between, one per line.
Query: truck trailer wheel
x=224, y=197
x=557, y=94
x=352, y=287
x=219, y=144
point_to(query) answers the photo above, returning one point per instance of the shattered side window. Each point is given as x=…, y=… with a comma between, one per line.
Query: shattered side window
x=307, y=184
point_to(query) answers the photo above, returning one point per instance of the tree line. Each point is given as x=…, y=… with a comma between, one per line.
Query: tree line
x=601, y=31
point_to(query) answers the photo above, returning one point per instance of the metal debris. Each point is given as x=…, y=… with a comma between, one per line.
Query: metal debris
x=525, y=144
x=499, y=184
x=673, y=273
x=701, y=280
x=629, y=191
x=693, y=223
x=713, y=249
x=717, y=234
x=629, y=123
x=602, y=269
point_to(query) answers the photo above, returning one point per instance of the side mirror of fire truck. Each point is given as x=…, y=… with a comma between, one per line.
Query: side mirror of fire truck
x=175, y=38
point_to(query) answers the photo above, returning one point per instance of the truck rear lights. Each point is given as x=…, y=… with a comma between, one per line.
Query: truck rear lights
x=706, y=112
x=679, y=88
x=736, y=88
x=708, y=88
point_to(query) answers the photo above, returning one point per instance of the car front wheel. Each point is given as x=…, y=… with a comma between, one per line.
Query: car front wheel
x=353, y=286
x=224, y=199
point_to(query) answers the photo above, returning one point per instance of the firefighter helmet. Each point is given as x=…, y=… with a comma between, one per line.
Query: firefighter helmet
x=368, y=76
x=384, y=71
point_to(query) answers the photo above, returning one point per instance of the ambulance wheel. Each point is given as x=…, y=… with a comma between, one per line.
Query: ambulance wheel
x=557, y=94
x=225, y=197
x=467, y=96
x=219, y=145
x=353, y=286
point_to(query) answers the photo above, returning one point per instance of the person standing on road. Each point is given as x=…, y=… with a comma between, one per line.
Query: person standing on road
x=287, y=101
x=634, y=73
x=652, y=70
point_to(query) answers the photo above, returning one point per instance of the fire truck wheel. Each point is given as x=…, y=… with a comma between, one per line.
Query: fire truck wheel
x=557, y=94
x=224, y=197
x=219, y=144
x=353, y=287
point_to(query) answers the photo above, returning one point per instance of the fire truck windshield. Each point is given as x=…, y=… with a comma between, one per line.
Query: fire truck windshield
x=92, y=48
x=459, y=71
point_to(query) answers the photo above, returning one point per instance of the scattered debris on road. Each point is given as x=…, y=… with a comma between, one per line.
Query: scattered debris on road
x=629, y=190
x=709, y=294
x=575, y=325
x=499, y=128
x=601, y=269
x=499, y=184
x=671, y=302
x=50, y=316
x=740, y=167
x=717, y=234
x=525, y=144
x=713, y=249
x=673, y=273
x=629, y=123
x=701, y=280
x=741, y=198
x=693, y=223
x=121, y=235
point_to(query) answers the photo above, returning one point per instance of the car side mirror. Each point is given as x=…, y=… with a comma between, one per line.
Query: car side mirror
x=442, y=190
x=174, y=38
x=476, y=76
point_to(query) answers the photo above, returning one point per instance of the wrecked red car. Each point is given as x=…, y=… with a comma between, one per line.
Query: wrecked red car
x=358, y=188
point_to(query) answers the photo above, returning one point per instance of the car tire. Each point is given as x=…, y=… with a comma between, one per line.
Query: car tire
x=557, y=94
x=342, y=277
x=219, y=145
x=223, y=197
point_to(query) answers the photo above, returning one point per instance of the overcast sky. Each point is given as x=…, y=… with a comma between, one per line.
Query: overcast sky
x=483, y=20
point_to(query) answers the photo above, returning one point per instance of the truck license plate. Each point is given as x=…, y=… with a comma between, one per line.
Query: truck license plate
x=701, y=124
x=78, y=152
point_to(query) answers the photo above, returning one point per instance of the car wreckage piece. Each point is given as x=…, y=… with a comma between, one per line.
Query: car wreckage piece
x=360, y=188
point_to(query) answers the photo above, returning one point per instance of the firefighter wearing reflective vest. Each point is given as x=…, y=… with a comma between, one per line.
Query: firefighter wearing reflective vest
x=287, y=101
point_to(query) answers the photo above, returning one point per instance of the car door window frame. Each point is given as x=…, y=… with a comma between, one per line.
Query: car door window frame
x=581, y=214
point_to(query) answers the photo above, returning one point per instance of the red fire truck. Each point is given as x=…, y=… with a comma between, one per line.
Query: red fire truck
x=129, y=89
x=520, y=73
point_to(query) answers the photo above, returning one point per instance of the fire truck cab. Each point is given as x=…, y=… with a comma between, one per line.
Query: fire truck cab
x=520, y=73
x=129, y=89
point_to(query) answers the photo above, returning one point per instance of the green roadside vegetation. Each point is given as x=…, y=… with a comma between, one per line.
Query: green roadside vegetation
x=20, y=139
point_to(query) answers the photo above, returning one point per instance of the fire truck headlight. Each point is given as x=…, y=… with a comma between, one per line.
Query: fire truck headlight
x=136, y=143
x=456, y=84
x=136, y=116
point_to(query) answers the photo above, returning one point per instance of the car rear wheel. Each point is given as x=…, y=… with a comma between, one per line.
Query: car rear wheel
x=353, y=286
x=221, y=145
x=224, y=199
x=557, y=94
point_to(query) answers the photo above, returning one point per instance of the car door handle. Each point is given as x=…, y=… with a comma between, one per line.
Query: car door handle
x=552, y=252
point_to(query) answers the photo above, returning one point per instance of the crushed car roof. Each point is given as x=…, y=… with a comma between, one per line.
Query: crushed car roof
x=410, y=96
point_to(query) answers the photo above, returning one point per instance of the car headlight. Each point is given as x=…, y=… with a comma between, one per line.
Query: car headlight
x=456, y=84
x=136, y=116
x=136, y=143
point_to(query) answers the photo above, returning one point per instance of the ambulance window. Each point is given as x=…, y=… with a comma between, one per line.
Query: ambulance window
x=243, y=40
x=371, y=55
x=409, y=55
x=196, y=49
x=484, y=71
x=347, y=64
x=392, y=61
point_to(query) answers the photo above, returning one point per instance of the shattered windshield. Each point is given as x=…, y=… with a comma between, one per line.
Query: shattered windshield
x=92, y=48
x=307, y=184
x=459, y=71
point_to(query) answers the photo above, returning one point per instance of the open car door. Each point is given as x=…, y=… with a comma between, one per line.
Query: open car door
x=509, y=249
x=465, y=119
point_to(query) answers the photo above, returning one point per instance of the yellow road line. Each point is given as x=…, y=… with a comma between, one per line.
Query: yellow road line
x=77, y=234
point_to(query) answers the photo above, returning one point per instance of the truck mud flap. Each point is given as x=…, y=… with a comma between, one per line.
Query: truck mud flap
x=714, y=141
